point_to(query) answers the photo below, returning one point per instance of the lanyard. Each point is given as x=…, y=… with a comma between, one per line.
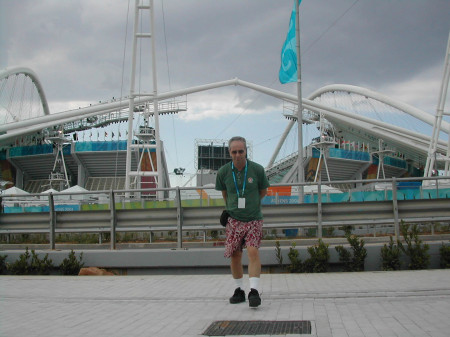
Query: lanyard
x=234, y=178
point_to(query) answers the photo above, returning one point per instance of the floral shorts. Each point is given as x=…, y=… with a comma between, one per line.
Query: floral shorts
x=242, y=234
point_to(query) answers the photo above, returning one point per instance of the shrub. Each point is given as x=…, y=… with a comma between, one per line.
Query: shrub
x=70, y=265
x=444, y=256
x=3, y=266
x=278, y=254
x=414, y=249
x=296, y=265
x=319, y=256
x=344, y=257
x=390, y=256
x=355, y=261
x=25, y=266
x=21, y=266
x=347, y=229
x=41, y=267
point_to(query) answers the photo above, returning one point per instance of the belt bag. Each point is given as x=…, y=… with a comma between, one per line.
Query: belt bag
x=224, y=218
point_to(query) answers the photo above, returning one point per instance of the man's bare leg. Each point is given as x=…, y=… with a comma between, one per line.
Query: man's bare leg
x=236, y=265
x=254, y=273
x=254, y=262
x=237, y=271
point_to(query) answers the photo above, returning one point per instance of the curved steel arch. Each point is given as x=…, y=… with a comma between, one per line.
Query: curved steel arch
x=34, y=78
x=371, y=125
x=312, y=105
x=417, y=113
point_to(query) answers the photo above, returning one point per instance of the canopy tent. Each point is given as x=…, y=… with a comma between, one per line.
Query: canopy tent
x=14, y=191
x=74, y=189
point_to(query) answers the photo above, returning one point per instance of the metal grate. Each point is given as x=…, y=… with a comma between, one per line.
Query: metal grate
x=247, y=328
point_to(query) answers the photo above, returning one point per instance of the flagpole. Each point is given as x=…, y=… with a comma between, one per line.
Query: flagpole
x=300, y=170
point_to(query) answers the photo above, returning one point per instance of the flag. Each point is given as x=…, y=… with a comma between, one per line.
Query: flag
x=288, y=68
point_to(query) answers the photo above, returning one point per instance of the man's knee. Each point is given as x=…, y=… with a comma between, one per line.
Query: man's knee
x=237, y=255
x=253, y=253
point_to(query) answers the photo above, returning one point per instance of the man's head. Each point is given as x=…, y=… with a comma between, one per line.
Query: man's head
x=237, y=146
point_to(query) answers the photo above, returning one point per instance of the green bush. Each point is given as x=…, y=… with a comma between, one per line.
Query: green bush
x=415, y=249
x=31, y=264
x=279, y=254
x=70, y=265
x=3, y=266
x=444, y=256
x=22, y=265
x=318, y=260
x=390, y=256
x=355, y=261
x=41, y=267
x=296, y=265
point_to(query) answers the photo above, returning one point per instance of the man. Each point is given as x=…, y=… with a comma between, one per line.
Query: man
x=243, y=184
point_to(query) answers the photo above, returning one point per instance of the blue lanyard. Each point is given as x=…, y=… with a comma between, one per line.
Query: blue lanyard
x=234, y=178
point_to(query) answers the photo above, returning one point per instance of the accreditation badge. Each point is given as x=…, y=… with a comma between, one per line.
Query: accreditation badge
x=241, y=203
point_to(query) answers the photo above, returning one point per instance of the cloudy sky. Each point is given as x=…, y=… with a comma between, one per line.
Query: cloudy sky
x=81, y=52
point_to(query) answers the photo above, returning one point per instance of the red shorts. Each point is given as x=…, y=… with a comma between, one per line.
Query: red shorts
x=242, y=234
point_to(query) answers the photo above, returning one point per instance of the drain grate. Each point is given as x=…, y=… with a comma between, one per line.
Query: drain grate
x=247, y=328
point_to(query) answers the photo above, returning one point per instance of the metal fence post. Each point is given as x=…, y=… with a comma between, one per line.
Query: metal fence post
x=112, y=208
x=395, y=208
x=179, y=219
x=52, y=228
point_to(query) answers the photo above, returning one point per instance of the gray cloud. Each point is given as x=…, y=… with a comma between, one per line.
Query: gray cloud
x=77, y=49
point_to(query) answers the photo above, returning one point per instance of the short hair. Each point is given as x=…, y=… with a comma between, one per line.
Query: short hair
x=237, y=139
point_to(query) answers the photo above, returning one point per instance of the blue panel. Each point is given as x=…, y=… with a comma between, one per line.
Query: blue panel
x=101, y=146
x=21, y=151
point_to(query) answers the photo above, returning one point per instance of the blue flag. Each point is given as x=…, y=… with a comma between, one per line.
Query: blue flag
x=288, y=68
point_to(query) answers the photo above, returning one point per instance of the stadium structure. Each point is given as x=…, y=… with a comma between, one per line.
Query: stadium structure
x=41, y=151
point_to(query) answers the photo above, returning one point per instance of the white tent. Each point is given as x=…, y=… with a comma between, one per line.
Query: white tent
x=74, y=189
x=314, y=188
x=15, y=196
x=14, y=191
x=45, y=193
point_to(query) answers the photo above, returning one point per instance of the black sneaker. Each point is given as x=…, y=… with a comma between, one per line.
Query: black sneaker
x=238, y=296
x=253, y=298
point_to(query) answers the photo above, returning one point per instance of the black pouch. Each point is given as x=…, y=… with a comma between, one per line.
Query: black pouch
x=224, y=218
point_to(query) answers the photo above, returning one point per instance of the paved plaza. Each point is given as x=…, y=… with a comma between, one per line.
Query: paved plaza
x=401, y=303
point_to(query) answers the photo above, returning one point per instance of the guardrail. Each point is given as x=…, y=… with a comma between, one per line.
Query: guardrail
x=178, y=218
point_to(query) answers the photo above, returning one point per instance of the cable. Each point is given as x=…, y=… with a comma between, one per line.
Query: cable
x=303, y=52
x=121, y=88
x=168, y=76
x=329, y=27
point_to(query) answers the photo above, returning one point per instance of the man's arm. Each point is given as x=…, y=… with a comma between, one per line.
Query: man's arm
x=262, y=193
x=224, y=195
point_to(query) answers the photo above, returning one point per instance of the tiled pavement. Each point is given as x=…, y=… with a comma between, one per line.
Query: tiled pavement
x=402, y=303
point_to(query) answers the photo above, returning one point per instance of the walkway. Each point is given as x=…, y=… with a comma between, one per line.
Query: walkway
x=403, y=303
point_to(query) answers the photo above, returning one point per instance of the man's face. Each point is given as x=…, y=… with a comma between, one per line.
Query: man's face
x=238, y=153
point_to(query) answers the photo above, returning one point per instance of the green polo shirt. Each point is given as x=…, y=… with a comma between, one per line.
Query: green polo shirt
x=256, y=181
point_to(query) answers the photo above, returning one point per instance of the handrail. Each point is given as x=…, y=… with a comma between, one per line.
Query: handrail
x=178, y=217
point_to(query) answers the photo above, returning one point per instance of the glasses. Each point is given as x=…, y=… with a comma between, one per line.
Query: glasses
x=238, y=151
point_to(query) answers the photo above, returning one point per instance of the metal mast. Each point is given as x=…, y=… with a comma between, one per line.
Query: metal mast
x=438, y=121
x=301, y=171
x=140, y=7
x=59, y=175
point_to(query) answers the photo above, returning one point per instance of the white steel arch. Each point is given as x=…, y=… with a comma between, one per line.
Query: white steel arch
x=417, y=113
x=413, y=140
x=5, y=73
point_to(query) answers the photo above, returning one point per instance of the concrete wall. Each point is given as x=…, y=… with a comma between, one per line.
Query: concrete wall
x=203, y=260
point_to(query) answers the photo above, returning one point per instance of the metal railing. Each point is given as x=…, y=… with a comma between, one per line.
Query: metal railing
x=176, y=216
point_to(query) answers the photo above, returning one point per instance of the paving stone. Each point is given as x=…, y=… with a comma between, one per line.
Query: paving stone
x=368, y=304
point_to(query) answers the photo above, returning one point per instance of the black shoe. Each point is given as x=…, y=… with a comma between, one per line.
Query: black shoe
x=238, y=297
x=253, y=298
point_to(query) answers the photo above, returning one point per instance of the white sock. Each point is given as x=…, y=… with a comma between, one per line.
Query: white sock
x=239, y=282
x=254, y=282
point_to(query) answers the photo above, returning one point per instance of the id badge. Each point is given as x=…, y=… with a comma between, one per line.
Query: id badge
x=241, y=203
